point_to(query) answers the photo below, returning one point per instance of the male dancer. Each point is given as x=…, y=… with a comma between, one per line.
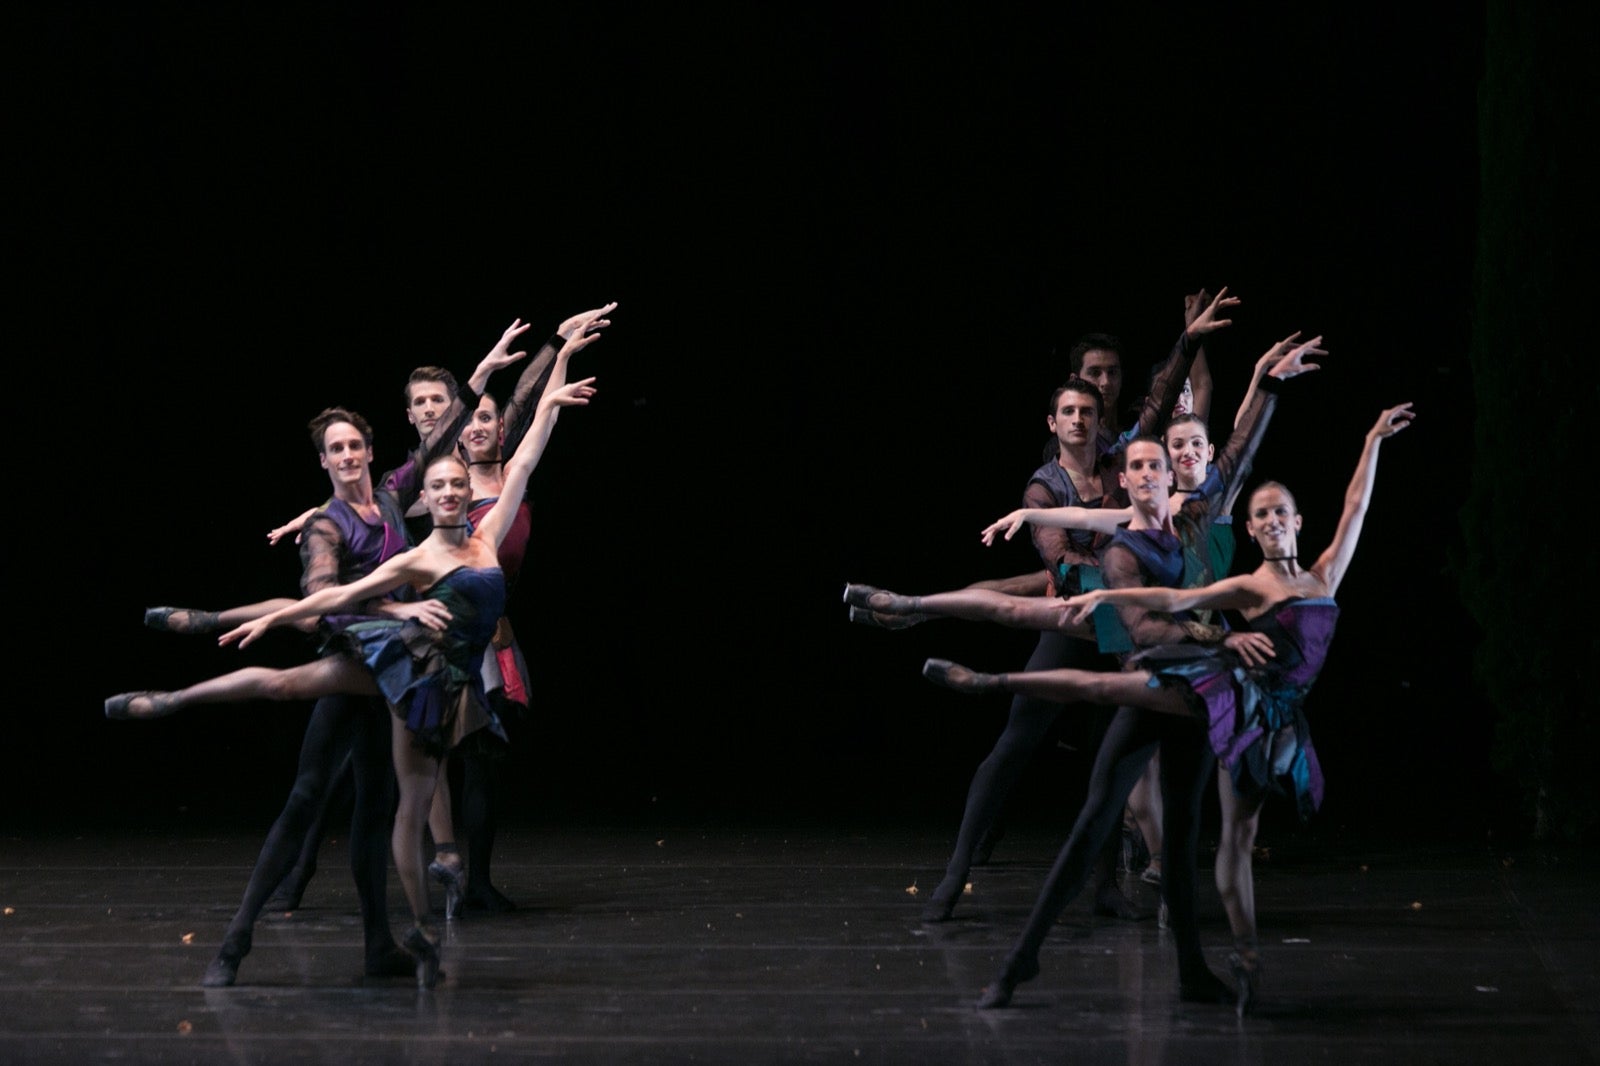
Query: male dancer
x=1081, y=474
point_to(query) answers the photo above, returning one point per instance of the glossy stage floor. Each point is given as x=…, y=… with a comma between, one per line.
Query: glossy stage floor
x=740, y=945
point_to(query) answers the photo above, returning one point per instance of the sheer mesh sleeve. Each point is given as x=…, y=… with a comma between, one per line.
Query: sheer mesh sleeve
x=1120, y=570
x=1054, y=546
x=1239, y=454
x=1167, y=386
x=517, y=415
x=320, y=544
x=405, y=480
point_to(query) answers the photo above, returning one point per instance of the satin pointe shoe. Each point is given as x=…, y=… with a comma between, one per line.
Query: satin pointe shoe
x=955, y=676
x=999, y=991
x=182, y=620
x=865, y=616
x=157, y=705
x=426, y=953
x=453, y=879
x=1245, y=965
x=879, y=600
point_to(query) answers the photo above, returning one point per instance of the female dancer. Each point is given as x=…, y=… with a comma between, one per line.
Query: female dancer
x=1253, y=707
x=429, y=676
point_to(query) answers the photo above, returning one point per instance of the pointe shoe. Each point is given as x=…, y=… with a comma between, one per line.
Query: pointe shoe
x=453, y=879
x=958, y=677
x=120, y=707
x=999, y=991
x=426, y=953
x=181, y=620
x=879, y=600
x=1246, y=969
x=867, y=617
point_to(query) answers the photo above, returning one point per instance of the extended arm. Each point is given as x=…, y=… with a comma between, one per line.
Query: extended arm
x=1333, y=562
x=519, y=410
x=519, y=467
x=1168, y=384
x=1239, y=593
x=1200, y=372
x=388, y=576
x=1146, y=625
x=1094, y=519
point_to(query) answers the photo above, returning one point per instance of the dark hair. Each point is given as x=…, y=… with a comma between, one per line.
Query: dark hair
x=1088, y=388
x=1143, y=438
x=332, y=415
x=1281, y=487
x=1182, y=420
x=1091, y=342
x=432, y=373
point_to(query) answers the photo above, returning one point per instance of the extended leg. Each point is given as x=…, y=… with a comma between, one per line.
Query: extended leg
x=323, y=677
x=1129, y=742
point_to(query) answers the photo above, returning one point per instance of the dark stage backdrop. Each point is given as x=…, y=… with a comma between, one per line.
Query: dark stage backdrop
x=851, y=250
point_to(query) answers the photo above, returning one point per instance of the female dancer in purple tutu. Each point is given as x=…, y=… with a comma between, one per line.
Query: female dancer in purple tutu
x=1251, y=706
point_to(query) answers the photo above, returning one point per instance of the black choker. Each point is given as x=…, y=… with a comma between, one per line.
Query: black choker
x=1280, y=558
x=484, y=462
x=461, y=525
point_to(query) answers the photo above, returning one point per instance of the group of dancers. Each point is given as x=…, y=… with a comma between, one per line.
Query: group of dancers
x=1136, y=612
x=417, y=662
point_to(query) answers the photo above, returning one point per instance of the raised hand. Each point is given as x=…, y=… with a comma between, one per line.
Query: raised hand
x=572, y=394
x=1009, y=525
x=1393, y=420
x=586, y=322
x=1293, y=362
x=501, y=354
x=1193, y=304
x=1207, y=321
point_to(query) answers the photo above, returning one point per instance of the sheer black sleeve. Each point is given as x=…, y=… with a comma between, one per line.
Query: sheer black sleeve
x=321, y=544
x=1055, y=546
x=1156, y=408
x=405, y=480
x=1119, y=569
x=517, y=414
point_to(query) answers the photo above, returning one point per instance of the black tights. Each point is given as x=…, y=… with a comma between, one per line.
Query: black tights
x=340, y=725
x=1026, y=729
x=1186, y=763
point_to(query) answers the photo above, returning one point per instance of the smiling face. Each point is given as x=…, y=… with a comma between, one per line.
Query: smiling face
x=1273, y=522
x=480, y=440
x=345, y=455
x=1189, y=449
x=446, y=491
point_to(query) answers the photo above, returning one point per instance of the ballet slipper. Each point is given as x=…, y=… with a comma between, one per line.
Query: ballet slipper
x=120, y=707
x=954, y=675
x=867, y=617
x=182, y=620
x=880, y=600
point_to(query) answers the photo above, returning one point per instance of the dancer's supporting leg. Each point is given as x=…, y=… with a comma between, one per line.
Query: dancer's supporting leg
x=339, y=725
x=1148, y=719
x=1236, y=881
x=417, y=774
